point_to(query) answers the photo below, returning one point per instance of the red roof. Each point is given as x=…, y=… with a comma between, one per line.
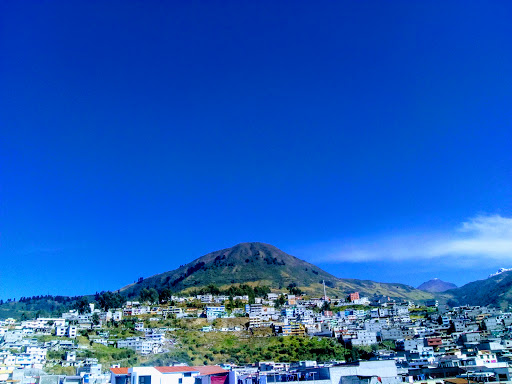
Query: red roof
x=175, y=369
x=119, y=371
x=210, y=370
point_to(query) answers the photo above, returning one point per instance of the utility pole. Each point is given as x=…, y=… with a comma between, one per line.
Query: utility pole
x=325, y=294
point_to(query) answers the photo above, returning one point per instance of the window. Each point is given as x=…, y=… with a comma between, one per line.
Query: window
x=180, y=380
x=144, y=379
x=188, y=374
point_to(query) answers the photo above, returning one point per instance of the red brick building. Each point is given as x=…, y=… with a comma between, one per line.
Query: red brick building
x=353, y=296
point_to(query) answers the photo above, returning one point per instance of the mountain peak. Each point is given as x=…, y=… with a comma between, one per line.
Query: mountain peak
x=500, y=271
x=254, y=246
x=255, y=263
x=262, y=264
x=436, y=285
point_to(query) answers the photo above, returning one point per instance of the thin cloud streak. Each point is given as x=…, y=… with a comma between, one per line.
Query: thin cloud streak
x=481, y=236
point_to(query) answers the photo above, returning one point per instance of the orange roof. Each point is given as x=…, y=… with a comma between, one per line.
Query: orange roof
x=210, y=370
x=458, y=381
x=119, y=371
x=175, y=369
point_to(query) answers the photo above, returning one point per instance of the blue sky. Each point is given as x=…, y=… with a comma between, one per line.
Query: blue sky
x=371, y=138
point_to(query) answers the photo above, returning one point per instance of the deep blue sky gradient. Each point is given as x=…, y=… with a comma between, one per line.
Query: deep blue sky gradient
x=137, y=136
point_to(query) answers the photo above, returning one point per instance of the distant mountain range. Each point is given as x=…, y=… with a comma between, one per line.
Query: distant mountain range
x=259, y=264
x=263, y=264
x=436, y=285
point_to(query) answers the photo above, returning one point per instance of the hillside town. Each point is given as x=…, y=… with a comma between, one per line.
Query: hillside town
x=390, y=341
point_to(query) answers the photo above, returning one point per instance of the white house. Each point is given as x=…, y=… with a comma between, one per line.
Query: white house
x=37, y=353
x=139, y=326
x=43, y=321
x=272, y=296
x=364, y=338
x=206, y=298
x=144, y=347
x=117, y=316
x=24, y=360
x=156, y=337
x=71, y=356
x=162, y=375
x=215, y=312
x=72, y=331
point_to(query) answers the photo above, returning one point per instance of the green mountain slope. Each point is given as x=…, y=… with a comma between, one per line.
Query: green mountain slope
x=264, y=264
x=495, y=290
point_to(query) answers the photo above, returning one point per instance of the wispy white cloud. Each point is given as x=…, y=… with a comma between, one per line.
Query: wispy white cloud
x=488, y=236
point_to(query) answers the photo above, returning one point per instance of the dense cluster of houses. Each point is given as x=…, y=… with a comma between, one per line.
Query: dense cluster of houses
x=470, y=342
x=20, y=345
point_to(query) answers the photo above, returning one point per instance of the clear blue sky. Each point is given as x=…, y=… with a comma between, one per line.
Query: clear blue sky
x=371, y=138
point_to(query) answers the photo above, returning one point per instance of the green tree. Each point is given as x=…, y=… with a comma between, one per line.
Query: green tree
x=293, y=289
x=82, y=305
x=149, y=295
x=153, y=296
x=281, y=300
x=230, y=305
x=239, y=303
x=388, y=344
x=144, y=295
x=261, y=291
x=108, y=300
x=165, y=295
x=212, y=289
x=95, y=319
x=452, y=328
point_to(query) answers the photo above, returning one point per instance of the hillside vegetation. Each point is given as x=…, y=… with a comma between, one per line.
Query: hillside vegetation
x=196, y=347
